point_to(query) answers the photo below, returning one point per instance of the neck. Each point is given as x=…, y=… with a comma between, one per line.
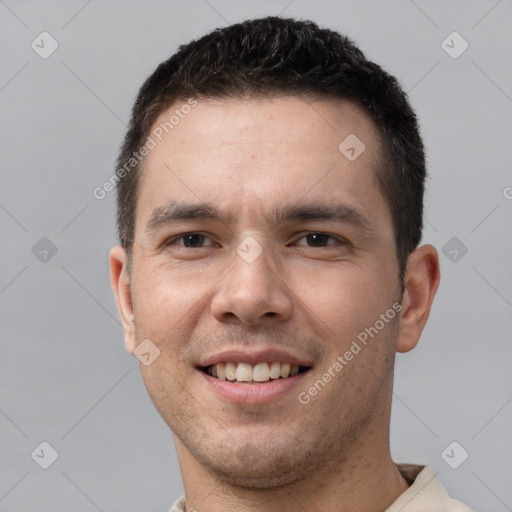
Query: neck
x=365, y=480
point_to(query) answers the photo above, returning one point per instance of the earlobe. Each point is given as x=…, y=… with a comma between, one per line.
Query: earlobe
x=121, y=285
x=422, y=280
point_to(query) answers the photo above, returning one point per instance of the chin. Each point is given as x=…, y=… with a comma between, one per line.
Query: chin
x=259, y=476
x=251, y=468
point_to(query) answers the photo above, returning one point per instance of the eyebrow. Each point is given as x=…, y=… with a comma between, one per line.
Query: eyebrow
x=177, y=211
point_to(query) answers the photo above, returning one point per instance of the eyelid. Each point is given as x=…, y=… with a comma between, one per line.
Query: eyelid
x=339, y=239
x=173, y=239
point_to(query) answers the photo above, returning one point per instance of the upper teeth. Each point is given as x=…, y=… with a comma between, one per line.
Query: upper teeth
x=245, y=372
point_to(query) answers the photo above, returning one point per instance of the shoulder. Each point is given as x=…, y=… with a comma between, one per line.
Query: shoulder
x=179, y=505
x=425, y=494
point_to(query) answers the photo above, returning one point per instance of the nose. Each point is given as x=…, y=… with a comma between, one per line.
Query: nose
x=252, y=293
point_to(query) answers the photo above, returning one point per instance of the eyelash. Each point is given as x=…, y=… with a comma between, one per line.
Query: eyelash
x=174, y=239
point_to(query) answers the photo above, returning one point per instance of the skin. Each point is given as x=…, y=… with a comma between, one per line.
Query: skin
x=248, y=157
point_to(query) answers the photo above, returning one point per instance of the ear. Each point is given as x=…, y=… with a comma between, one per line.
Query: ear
x=121, y=285
x=422, y=280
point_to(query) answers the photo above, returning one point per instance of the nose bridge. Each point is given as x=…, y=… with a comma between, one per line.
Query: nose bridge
x=252, y=289
x=253, y=264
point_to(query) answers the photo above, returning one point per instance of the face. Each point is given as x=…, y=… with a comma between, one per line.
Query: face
x=261, y=248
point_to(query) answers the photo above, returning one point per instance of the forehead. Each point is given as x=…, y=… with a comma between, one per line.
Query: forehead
x=239, y=152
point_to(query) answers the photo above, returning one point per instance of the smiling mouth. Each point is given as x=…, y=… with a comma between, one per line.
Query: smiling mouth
x=258, y=373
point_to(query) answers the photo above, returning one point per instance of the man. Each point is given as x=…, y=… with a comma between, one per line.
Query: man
x=270, y=197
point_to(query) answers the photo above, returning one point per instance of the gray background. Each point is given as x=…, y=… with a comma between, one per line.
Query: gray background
x=65, y=377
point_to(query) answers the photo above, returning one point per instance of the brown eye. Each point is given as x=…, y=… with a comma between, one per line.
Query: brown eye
x=189, y=240
x=318, y=240
x=193, y=240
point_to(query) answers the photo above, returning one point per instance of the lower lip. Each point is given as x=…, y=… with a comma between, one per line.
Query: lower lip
x=264, y=392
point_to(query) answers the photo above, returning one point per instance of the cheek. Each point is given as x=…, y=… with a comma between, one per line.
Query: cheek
x=172, y=302
x=341, y=300
x=165, y=303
